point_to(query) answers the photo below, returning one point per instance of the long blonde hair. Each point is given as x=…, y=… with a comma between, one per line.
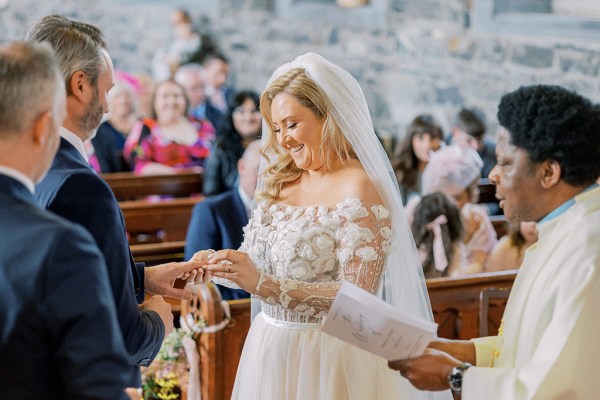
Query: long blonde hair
x=335, y=148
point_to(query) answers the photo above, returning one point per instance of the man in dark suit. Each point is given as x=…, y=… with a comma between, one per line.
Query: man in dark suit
x=74, y=191
x=8, y=301
x=215, y=73
x=217, y=223
x=62, y=338
x=191, y=77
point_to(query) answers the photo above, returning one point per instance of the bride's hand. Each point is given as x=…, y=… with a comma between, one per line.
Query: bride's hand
x=202, y=255
x=235, y=266
x=199, y=275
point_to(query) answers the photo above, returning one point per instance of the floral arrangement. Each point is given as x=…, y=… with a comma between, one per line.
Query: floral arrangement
x=168, y=376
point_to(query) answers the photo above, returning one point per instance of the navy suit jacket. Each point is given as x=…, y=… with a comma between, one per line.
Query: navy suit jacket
x=8, y=305
x=64, y=341
x=217, y=223
x=74, y=191
x=214, y=115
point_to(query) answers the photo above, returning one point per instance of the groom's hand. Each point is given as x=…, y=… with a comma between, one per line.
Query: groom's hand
x=160, y=279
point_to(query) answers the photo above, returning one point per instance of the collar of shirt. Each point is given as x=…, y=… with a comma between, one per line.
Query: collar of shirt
x=564, y=206
x=248, y=202
x=74, y=140
x=199, y=111
x=19, y=176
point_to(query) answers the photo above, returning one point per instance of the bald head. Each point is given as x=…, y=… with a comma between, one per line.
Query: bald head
x=248, y=168
x=191, y=77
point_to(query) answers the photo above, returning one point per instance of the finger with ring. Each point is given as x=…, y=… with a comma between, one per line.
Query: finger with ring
x=227, y=265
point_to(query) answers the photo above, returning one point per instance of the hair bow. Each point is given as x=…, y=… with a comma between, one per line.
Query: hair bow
x=440, y=260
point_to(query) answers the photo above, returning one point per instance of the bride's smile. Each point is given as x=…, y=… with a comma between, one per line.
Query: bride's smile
x=298, y=131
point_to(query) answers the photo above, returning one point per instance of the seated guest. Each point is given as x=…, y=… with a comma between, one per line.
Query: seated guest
x=111, y=135
x=437, y=230
x=508, y=253
x=216, y=72
x=191, y=77
x=61, y=339
x=241, y=125
x=145, y=93
x=455, y=171
x=469, y=130
x=423, y=136
x=217, y=223
x=169, y=141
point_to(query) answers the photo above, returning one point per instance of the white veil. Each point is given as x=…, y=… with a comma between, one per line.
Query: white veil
x=404, y=282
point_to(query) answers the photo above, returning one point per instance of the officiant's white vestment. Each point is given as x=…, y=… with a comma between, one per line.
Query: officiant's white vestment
x=549, y=344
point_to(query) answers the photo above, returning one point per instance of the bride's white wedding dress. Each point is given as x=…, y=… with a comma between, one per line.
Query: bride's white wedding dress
x=303, y=254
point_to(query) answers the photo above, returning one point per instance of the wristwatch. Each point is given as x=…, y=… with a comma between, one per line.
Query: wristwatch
x=456, y=377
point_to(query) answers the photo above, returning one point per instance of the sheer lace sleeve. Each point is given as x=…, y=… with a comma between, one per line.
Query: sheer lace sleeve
x=360, y=245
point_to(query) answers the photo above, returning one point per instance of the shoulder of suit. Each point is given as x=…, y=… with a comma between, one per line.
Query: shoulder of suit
x=219, y=199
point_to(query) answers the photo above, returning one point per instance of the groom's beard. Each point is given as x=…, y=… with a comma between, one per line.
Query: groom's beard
x=92, y=117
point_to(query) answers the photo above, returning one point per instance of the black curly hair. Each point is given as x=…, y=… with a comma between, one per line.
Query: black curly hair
x=553, y=123
x=429, y=208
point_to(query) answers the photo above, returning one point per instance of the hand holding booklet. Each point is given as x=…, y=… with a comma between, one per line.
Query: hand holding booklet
x=364, y=320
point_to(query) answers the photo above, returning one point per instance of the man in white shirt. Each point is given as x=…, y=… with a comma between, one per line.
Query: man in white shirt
x=548, y=346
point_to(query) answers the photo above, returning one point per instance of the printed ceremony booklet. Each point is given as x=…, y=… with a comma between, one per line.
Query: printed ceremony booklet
x=364, y=320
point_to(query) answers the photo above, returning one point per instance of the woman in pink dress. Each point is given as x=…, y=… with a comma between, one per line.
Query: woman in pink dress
x=169, y=141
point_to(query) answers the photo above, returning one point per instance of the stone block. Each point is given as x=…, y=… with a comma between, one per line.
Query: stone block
x=581, y=61
x=450, y=94
x=533, y=56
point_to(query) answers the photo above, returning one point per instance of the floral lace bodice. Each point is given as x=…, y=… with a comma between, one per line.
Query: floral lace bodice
x=304, y=253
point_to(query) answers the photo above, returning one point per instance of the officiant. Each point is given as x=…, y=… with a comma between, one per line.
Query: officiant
x=547, y=346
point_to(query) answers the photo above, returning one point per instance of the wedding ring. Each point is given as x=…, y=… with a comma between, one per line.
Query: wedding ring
x=229, y=268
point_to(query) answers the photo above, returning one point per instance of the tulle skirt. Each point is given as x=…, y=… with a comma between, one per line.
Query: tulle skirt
x=288, y=360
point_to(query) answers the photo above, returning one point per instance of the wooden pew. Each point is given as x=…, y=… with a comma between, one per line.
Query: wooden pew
x=487, y=197
x=158, y=253
x=157, y=221
x=129, y=186
x=487, y=191
x=455, y=303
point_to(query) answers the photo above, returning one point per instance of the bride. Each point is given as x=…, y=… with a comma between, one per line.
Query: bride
x=328, y=210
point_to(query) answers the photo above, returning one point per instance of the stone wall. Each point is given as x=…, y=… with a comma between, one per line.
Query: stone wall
x=420, y=56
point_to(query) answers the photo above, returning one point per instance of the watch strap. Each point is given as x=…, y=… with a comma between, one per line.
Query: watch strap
x=456, y=377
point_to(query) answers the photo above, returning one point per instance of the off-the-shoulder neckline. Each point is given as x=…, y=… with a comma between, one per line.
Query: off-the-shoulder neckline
x=326, y=206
